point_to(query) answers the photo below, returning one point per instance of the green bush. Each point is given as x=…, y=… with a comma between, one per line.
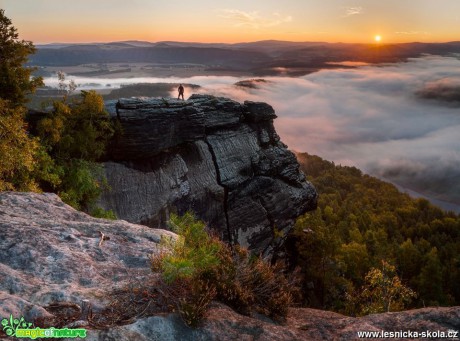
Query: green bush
x=80, y=185
x=99, y=212
x=193, y=253
x=205, y=268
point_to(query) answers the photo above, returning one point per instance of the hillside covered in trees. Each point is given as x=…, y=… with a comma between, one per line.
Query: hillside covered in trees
x=363, y=223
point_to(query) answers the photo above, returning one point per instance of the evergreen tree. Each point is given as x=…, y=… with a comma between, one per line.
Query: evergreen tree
x=431, y=279
x=23, y=162
x=15, y=79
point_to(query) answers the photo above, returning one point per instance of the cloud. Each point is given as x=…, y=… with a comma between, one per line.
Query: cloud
x=350, y=11
x=253, y=19
x=412, y=33
x=371, y=117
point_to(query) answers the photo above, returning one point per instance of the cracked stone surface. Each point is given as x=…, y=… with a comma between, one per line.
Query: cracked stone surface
x=49, y=252
x=212, y=155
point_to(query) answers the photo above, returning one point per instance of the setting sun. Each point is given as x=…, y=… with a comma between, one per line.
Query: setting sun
x=378, y=38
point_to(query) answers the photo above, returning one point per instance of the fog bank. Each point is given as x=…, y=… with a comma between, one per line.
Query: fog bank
x=372, y=117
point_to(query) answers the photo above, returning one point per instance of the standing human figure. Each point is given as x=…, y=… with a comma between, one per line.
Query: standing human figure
x=117, y=108
x=181, y=92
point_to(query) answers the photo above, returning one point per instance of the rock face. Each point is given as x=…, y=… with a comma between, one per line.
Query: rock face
x=217, y=157
x=52, y=257
x=50, y=252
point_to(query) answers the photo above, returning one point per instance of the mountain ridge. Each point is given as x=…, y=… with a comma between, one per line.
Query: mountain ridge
x=256, y=58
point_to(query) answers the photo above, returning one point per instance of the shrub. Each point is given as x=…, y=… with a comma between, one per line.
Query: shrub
x=81, y=184
x=248, y=283
x=204, y=268
x=193, y=253
x=194, y=305
x=99, y=212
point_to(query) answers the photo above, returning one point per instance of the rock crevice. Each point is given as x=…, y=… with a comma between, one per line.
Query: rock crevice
x=225, y=199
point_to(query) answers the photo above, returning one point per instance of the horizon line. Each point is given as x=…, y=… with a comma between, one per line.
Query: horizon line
x=244, y=42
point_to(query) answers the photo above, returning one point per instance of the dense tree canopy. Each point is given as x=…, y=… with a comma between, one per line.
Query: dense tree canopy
x=76, y=135
x=362, y=221
x=17, y=151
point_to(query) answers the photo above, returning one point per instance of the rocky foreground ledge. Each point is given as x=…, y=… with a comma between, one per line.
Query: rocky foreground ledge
x=223, y=324
x=212, y=155
x=49, y=252
x=55, y=260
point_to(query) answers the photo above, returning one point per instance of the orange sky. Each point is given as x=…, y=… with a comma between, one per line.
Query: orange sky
x=45, y=21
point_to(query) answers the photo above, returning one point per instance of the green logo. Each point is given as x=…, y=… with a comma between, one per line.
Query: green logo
x=20, y=328
x=12, y=325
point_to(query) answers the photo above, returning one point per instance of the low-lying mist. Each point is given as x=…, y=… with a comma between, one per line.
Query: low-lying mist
x=377, y=118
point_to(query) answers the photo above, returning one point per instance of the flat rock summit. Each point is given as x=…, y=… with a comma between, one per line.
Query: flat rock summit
x=56, y=261
x=219, y=158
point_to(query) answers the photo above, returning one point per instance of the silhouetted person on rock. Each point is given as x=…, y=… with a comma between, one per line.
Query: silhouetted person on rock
x=181, y=92
x=117, y=108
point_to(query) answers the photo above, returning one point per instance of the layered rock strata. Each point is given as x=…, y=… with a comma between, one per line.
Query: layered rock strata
x=214, y=156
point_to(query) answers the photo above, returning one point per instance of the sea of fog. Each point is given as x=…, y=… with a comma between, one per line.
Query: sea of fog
x=370, y=117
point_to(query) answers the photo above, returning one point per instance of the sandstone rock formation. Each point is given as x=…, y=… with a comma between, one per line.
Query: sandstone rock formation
x=54, y=258
x=217, y=157
x=50, y=252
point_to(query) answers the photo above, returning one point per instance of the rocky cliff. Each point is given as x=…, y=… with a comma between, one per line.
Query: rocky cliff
x=62, y=268
x=214, y=156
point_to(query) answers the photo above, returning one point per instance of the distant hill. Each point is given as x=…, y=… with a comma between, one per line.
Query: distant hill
x=116, y=53
x=260, y=58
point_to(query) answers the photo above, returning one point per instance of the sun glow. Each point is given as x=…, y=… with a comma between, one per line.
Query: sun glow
x=378, y=38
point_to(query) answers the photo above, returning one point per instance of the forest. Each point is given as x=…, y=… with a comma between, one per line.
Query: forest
x=363, y=224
